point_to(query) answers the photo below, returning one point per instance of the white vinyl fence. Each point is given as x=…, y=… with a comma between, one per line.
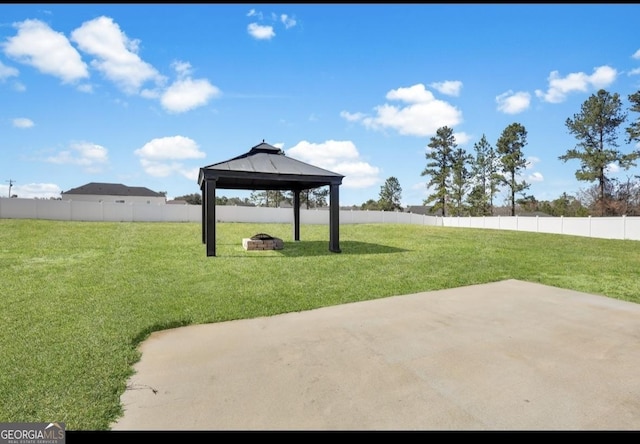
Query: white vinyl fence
x=624, y=227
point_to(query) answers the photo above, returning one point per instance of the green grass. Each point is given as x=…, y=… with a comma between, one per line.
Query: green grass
x=79, y=297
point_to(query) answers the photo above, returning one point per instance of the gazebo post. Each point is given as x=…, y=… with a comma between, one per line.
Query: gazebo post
x=203, y=220
x=210, y=211
x=296, y=215
x=334, y=218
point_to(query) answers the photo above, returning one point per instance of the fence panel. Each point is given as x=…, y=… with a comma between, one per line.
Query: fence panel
x=577, y=226
x=550, y=224
x=607, y=227
x=87, y=211
x=117, y=212
x=632, y=228
x=624, y=227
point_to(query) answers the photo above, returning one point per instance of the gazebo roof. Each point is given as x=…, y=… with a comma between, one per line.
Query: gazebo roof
x=266, y=167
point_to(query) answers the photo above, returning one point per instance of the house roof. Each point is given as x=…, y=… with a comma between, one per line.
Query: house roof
x=112, y=189
x=265, y=167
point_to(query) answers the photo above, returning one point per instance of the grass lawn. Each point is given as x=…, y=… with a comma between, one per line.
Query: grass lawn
x=79, y=297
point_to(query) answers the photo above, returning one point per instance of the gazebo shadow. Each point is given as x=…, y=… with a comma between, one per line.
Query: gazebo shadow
x=319, y=248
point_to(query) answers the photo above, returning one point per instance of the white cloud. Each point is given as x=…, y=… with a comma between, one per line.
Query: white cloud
x=187, y=94
x=462, y=138
x=266, y=32
x=260, y=32
x=531, y=161
x=559, y=87
x=413, y=94
x=183, y=69
x=513, y=103
x=448, y=87
x=612, y=168
x=418, y=186
x=37, y=45
x=7, y=71
x=174, y=147
x=415, y=193
x=34, y=190
x=357, y=174
x=288, y=22
x=341, y=157
x=535, y=177
x=22, y=122
x=85, y=88
x=633, y=72
x=116, y=54
x=88, y=155
x=190, y=173
x=163, y=169
x=602, y=77
x=158, y=156
x=352, y=117
x=116, y=57
x=422, y=117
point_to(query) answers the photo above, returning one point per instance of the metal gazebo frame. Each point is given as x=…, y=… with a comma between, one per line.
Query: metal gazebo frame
x=265, y=167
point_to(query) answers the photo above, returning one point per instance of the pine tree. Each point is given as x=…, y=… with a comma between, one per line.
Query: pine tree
x=484, y=169
x=512, y=160
x=633, y=131
x=596, y=128
x=390, y=195
x=440, y=162
x=460, y=176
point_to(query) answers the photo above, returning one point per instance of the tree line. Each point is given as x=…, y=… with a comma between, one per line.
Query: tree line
x=466, y=184
x=315, y=198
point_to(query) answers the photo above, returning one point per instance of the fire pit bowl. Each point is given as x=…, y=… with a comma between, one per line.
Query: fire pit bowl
x=261, y=236
x=262, y=241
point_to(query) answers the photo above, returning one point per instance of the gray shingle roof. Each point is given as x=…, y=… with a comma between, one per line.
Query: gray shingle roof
x=266, y=167
x=112, y=189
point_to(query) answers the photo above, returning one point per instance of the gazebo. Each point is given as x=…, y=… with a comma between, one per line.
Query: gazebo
x=266, y=167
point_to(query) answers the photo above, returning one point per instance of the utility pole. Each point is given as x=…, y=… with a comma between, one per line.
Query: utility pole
x=11, y=182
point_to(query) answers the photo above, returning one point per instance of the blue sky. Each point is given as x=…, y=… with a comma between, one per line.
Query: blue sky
x=145, y=95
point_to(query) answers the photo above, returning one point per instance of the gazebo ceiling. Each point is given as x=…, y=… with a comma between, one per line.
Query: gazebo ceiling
x=266, y=167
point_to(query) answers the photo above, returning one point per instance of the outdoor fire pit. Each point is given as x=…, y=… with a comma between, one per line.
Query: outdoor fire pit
x=262, y=241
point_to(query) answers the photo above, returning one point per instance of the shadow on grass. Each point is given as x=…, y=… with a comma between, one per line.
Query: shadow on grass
x=320, y=248
x=144, y=334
